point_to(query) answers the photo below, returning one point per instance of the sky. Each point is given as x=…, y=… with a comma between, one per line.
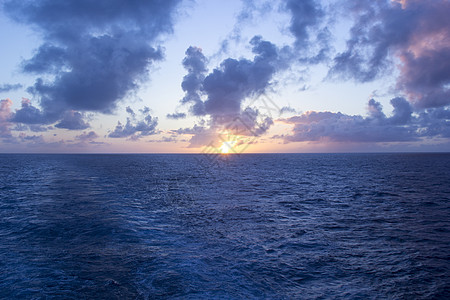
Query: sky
x=211, y=76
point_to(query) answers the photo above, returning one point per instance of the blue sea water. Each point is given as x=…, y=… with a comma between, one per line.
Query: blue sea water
x=251, y=226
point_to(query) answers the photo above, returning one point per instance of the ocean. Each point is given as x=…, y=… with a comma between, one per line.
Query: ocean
x=249, y=226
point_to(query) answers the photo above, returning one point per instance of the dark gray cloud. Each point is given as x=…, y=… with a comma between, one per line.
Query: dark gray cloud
x=426, y=77
x=192, y=84
x=416, y=32
x=136, y=127
x=308, y=25
x=402, y=126
x=87, y=136
x=9, y=87
x=375, y=109
x=435, y=122
x=176, y=116
x=29, y=114
x=235, y=80
x=287, y=110
x=402, y=111
x=32, y=127
x=32, y=139
x=221, y=93
x=378, y=27
x=34, y=118
x=130, y=111
x=72, y=120
x=94, y=54
x=226, y=87
x=194, y=130
x=107, y=70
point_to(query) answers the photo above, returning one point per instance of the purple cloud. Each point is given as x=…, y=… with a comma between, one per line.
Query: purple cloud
x=5, y=115
x=402, y=126
x=412, y=31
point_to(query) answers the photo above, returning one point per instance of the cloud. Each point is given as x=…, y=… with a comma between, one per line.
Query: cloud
x=204, y=137
x=250, y=7
x=32, y=127
x=251, y=11
x=29, y=114
x=6, y=121
x=194, y=130
x=32, y=139
x=287, y=110
x=414, y=34
x=235, y=80
x=200, y=135
x=435, y=123
x=94, y=53
x=375, y=110
x=9, y=87
x=195, y=63
x=176, y=116
x=307, y=25
x=402, y=126
x=338, y=127
x=165, y=139
x=72, y=120
x=227, y=86
x=134, y=127
x=34, y=117
x=87, y=138
x=250, y=122
x=5, y=115
x=221, y=93
x=402, y=111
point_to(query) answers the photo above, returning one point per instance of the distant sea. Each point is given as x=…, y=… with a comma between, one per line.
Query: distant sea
x=250, y=226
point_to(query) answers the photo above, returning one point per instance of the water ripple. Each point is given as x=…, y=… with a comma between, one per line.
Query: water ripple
x=255, y=226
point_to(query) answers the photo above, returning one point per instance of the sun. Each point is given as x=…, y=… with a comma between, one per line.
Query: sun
x=226, y=147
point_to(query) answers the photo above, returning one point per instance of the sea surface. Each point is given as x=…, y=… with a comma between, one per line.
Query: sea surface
x=250, y=226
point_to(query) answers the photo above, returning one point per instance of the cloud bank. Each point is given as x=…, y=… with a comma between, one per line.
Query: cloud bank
x=402, y=126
